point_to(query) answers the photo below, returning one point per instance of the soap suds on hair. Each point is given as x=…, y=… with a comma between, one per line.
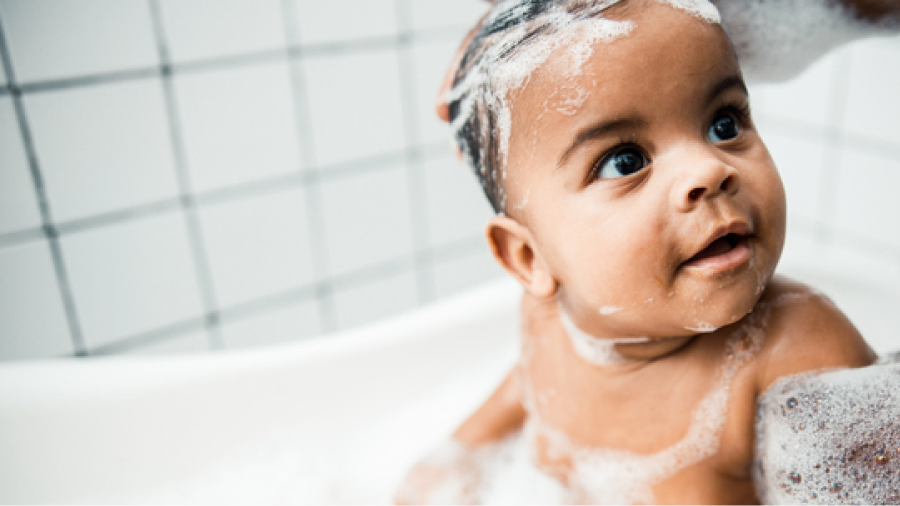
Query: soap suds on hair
x=516, y=39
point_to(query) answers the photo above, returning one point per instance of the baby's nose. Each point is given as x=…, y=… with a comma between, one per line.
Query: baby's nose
x=703, y=177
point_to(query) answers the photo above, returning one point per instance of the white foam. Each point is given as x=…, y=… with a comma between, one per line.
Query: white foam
x=595, y=350
x=702, y=9
x=703, y=327
x=608, y=310
x=831, y=438
x=777, y=40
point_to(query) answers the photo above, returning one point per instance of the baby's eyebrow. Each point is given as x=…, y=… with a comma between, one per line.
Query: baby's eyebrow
x=732, y=81
x=599, y=130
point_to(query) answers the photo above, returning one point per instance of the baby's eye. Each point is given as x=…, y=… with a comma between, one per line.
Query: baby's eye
x=723, y=128
x=623, y=161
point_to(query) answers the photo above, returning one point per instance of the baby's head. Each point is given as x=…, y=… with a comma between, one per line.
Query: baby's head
x=614, y=140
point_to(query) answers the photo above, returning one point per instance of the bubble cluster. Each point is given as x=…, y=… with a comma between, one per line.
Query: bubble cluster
x=831, y=438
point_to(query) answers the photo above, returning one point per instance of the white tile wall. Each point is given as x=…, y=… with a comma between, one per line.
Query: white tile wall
x=867, y=203
x=433, y=14
x=18, y=204
x=801, y=163
x=429, y=64
x=367, y=219
x=51, y=39
x=132, y=277
x=343, y=20
x=872, y=107
x=373, y=300
x=192, y=342
x=354, y=104
x=32, y=318
x=457, y=208
x=200, y=29
x=281, y=325
x=258, y=246
x=102, y=148
x=238, y=124
x=806, y=98
x=467, y=271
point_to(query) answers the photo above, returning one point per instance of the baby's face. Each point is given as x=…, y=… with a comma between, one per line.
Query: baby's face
x=645, y=188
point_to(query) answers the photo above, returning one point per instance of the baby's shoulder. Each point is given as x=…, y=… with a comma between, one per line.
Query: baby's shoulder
x=804, y=331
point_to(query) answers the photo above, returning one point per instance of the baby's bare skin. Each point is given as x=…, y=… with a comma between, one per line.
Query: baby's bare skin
x=623, y=258
x=645, y=406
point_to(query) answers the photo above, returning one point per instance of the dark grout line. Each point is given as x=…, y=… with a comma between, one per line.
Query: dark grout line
x=119, y=216
x=18, y=237
x=298, y=295
x=415, y=168
x=459, y=248
x=293, y=51
x=49, y=229
x=268, y=303
x=151, y=337
x=192, y=221
x=87, y=80
x=271, y=185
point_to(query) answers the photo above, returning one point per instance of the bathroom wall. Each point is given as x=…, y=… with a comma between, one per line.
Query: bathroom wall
x=180, y=176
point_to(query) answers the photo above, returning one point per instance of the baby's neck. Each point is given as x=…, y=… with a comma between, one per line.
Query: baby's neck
x=609, y=351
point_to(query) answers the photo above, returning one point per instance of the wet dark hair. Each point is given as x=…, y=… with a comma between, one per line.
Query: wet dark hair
x=474, y=107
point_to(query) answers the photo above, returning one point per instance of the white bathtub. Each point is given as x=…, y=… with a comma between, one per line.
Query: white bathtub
x=336, y=419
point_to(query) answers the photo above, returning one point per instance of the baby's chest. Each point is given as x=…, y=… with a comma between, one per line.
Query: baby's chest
x=695, y=415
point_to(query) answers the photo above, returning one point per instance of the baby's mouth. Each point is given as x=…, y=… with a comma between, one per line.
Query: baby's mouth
x=718, y=247
x=729, y=249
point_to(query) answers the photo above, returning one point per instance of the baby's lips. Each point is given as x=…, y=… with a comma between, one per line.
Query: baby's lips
x=739, y=228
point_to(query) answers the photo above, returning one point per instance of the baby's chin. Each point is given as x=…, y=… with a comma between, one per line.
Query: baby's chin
x=717, y=313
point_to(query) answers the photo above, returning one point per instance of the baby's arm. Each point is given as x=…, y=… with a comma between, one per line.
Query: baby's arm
x=501, y=414
x=452, y=472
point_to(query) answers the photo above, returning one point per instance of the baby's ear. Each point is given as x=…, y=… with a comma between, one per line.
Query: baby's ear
x=512, y=246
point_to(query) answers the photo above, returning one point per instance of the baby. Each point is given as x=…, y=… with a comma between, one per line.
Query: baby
x=643, y=216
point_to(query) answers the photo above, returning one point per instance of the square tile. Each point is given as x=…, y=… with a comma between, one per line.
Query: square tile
x=372, y=301
x=274, y=326
x=805, y=98
x=430, y=61
x=367, y=219
x=192, y=342
x=801, y=163
x=201, y=29
x=18, y=201
x=466, y=272
x=51, y=39
x=238, y=124
x=457, y=207
x=867, y=200
x=102, y=148
x=132, y=277
x=258, y=246
x=872, y=108
x=342, y=20
x=354, y=104
x=32, y=318
x=431, y=14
